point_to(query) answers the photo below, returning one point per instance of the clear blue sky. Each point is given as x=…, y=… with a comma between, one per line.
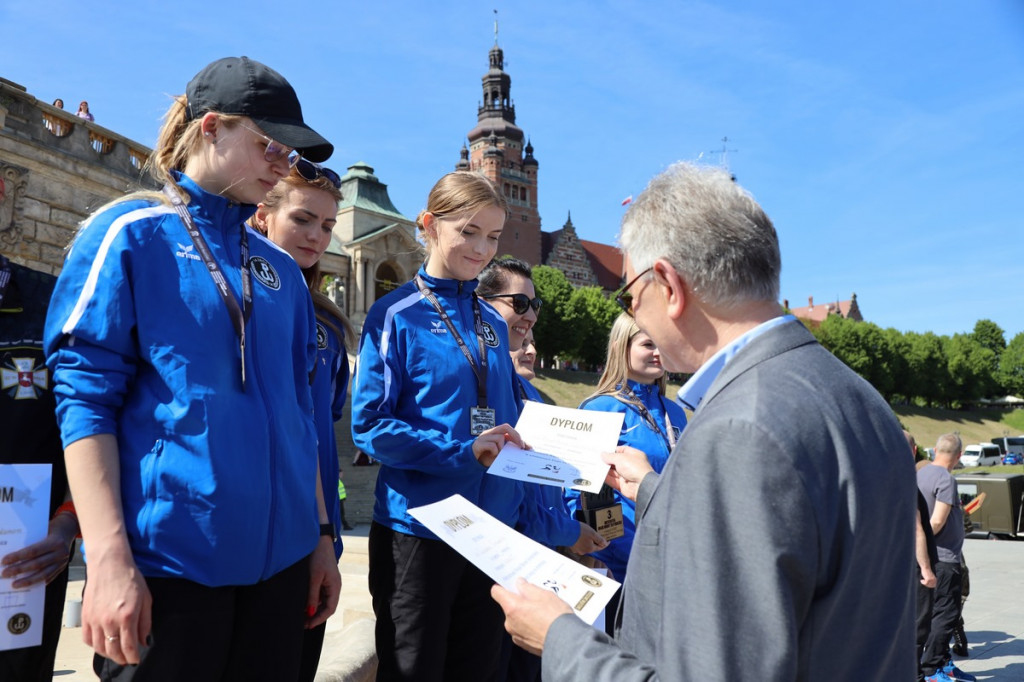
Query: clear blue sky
x=885, y=139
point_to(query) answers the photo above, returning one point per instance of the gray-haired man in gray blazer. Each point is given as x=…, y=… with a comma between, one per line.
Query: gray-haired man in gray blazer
x=776, y=543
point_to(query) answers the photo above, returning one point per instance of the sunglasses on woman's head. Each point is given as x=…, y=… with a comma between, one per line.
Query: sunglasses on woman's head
x=520, y=302
x=311, y=171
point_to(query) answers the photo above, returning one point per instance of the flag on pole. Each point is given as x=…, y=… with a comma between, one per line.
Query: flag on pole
x=628, y=200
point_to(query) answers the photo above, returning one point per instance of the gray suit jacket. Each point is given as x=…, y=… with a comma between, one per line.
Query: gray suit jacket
x=777, y=543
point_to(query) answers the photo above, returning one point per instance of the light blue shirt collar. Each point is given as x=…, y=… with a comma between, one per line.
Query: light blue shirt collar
x=691, y=395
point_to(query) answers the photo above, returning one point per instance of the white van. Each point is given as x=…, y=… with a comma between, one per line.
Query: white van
x=982, y=455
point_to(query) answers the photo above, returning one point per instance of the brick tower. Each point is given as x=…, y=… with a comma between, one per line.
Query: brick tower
x=496, y=150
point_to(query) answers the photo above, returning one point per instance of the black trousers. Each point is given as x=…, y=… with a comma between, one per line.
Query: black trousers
x=220, y=634
x=435, y=616
x=925, y=598
x=312, y=645
x=35, y=663
x=945, y=613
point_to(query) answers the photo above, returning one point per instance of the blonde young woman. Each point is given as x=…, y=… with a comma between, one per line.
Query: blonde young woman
x=434, y=395
x=633, y=383
x=181, y=344
x=299, y=215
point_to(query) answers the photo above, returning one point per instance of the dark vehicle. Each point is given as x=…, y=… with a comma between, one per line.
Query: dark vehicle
x=1004, y=496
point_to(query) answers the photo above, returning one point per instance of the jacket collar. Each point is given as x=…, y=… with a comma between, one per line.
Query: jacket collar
x=213, y=208
x=447, y=287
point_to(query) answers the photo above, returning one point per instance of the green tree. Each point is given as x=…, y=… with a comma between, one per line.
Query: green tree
x=590, y=315
x=1011, y=367
x=552, y=333
x=990, y=335
x=897, y=364
x=863, y=348
x=929, y=373
x=970, y=368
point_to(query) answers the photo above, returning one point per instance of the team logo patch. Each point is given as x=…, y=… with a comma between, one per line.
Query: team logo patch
x=437, y=327
x=490, y=337
x=321, y=336
x=265, y=272
x=25, y=380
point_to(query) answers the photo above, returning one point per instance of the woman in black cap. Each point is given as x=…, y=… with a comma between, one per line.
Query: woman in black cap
x=181, y=344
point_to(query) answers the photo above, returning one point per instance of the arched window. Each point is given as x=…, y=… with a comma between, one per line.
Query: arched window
x=384, y=280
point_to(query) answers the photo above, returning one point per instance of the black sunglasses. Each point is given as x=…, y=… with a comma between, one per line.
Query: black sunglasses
x=520, y=302
x=311, y=171
x=624, y=298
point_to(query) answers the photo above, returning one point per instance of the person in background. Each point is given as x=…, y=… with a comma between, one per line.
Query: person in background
x=507, y=283
x=633, y=383
x=342, y=496
x=59, y=103
x=939, y=488
x=433, y=400
x=181, y=344
x=31, y=436
x=927, y=556
x=83, y=111
x=299, y=215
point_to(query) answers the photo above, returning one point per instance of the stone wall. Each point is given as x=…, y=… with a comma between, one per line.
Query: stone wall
x=55, y=169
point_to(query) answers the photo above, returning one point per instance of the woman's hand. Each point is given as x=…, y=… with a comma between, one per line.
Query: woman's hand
x=588, y=541
x=489, y=443
x=44, y=560
x=117, y=607
x=324, y=583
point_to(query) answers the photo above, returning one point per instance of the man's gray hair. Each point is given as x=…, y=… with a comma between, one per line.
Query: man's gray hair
x=711, y=230
x=949, y=444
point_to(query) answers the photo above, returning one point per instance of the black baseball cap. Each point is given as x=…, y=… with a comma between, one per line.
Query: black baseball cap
x=242, y=86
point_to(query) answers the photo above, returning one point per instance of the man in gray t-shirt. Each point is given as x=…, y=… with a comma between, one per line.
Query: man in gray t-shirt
x=938, y=486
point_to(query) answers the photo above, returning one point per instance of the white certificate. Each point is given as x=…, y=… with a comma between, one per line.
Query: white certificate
x=24, y=519
x=566, y=447
x=504, y=555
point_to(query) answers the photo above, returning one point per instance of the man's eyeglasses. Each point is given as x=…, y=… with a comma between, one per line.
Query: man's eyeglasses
x=276, y=151
x=520, y=302
x=311, y=171
x=624, y=298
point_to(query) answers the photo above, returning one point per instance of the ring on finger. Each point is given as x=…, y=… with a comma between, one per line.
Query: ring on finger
x=112, y=638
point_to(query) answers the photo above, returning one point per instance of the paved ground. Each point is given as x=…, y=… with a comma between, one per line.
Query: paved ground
x=994, y=614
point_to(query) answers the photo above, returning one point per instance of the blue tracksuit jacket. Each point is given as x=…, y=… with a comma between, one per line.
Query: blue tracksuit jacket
x=636, y=433
x=412, y=397
x=330, y=388
x=217, y=483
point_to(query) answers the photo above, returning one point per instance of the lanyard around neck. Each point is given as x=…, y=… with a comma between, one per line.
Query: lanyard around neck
x=668, y=435
x=481, y=371
x=239, y=316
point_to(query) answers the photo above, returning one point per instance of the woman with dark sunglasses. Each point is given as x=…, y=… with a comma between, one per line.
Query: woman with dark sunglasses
x=181, y=344
x=633, y=383
x=299, y=215
x=507, y=283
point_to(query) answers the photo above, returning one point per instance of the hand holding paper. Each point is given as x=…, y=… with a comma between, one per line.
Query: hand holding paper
x=567, y=446
x=505, y=556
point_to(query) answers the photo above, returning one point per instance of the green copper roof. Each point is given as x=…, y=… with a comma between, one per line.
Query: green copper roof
x=361, y=189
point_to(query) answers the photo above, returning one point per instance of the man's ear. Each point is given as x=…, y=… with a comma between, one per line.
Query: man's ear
x=672, y=286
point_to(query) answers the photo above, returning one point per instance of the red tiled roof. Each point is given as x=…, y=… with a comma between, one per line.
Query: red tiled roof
x=818, y=312
x=607, y=263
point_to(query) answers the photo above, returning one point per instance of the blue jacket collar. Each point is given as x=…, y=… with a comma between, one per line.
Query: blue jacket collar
x=214, y=208
x=447, y=287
